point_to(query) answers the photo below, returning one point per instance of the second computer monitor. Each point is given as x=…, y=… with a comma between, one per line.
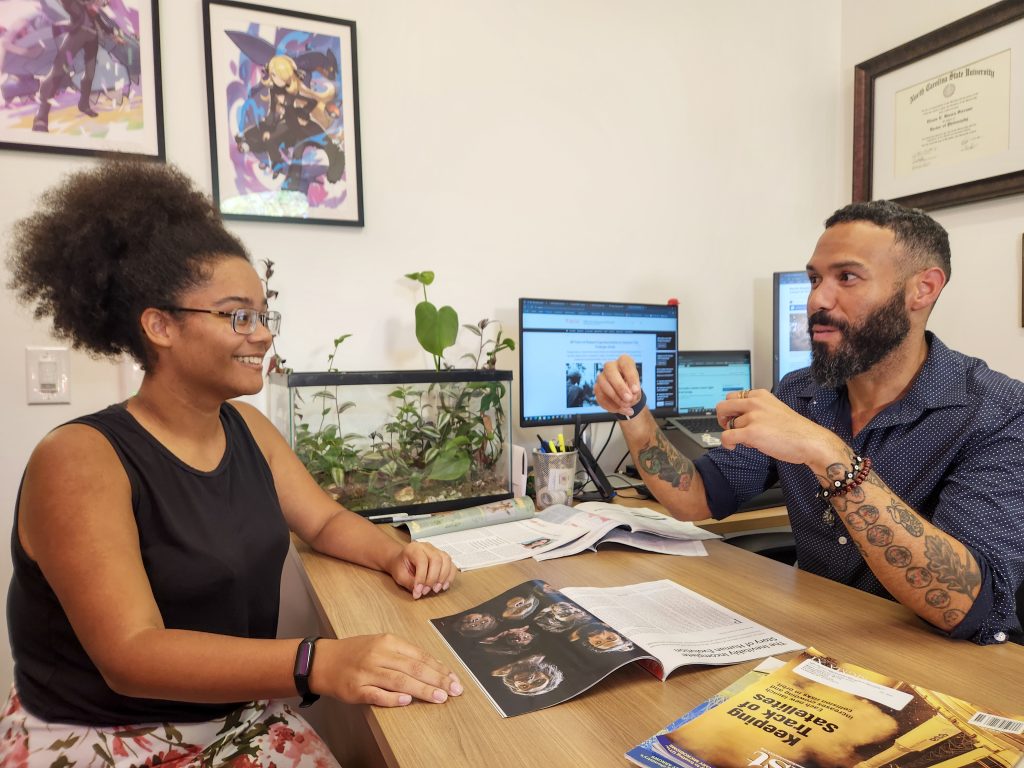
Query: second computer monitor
x=791, y=341
x=707, y=377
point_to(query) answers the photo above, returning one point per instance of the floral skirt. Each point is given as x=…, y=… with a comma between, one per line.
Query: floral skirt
x=261, y=733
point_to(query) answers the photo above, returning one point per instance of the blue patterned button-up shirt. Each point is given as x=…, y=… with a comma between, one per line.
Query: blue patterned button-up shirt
x=952, y=449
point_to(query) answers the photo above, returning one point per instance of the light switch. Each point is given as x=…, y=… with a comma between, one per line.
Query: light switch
x=47, y=375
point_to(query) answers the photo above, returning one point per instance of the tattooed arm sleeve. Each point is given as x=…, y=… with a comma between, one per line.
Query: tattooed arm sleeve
x=669, y=475
x=926, y=569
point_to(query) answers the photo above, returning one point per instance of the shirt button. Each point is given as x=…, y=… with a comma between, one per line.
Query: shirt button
x=999, y=637
x=842, y=539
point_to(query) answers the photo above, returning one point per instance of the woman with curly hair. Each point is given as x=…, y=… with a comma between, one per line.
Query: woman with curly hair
x=149, y=537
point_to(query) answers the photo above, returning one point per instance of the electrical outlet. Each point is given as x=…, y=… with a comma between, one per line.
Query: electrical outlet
x=47, y=375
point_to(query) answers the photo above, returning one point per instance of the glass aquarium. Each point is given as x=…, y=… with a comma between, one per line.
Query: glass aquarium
x=400, y=441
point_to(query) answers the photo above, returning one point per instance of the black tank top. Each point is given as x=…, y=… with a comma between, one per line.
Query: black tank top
x=213, y=545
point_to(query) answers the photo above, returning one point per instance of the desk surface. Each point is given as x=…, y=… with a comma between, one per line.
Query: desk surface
x=597, y=727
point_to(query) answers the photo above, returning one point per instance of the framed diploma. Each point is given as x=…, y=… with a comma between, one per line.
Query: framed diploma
x=939, y=121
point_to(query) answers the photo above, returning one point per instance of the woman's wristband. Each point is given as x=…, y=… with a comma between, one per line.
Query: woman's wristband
x=637, y=407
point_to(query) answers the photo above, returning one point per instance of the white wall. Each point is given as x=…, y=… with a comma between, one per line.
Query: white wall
x=572, y=149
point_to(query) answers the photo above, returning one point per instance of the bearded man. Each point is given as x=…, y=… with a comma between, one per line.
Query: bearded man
x=901, y=460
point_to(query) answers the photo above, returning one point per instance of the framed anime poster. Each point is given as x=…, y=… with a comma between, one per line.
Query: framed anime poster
x=81, y=77
x=284, y=114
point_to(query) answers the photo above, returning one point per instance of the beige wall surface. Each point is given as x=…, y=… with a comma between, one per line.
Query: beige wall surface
x=575, y=149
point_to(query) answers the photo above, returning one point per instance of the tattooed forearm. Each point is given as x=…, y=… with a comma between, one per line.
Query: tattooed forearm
x=926, y=569
x=879, y=535
x=918, y=577
x=959, y=576
x=875, y=480
x=664, y=462
x=864, y=517
x=906, y=518
x=898, y=556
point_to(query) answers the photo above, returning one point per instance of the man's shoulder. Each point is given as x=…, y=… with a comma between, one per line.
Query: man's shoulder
x=982, y=384
x=980, y=377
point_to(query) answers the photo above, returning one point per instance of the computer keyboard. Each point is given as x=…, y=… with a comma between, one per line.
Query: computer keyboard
x=697, y=426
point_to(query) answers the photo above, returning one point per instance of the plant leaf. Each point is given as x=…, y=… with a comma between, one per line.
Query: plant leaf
x=436, y=329
x=449, y=465
x=426, y=277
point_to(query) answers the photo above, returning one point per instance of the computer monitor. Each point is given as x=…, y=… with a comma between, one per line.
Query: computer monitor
x=705, y=378
x=790, y=339
x=564, y=344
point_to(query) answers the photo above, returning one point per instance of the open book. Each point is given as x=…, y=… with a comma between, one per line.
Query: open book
x=506, y=531
x=533, y=646
x=817, y=712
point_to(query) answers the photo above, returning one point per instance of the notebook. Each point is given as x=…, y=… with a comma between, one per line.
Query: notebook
x=704, y=379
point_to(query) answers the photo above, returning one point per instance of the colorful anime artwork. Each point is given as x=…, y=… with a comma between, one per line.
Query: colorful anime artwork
x=80, y=76
x=283, y=117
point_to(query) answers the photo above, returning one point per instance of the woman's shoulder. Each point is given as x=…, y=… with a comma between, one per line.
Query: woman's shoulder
x=265, y=434
x=78, y=446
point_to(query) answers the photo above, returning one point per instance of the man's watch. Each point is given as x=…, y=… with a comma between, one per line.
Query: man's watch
x=303, y=669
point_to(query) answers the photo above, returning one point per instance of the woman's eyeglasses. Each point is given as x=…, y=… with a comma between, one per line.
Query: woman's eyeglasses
x=243, y=320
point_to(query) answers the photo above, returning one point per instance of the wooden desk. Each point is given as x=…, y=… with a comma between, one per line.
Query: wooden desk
x=597, y=727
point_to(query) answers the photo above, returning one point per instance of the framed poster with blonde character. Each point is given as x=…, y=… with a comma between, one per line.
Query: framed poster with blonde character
x=284, y=114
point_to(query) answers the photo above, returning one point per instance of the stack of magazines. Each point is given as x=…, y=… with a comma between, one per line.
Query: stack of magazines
x=817, y=712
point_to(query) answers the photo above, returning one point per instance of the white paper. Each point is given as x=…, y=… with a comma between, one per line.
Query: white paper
x=504, y=543
x=858, y=686
x=679, y=626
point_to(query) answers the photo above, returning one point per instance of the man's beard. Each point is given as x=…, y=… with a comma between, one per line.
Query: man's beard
x=861, y=347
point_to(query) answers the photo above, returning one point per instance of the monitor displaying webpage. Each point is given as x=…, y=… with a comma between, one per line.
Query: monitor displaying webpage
x=706, y=378
x=563, y=346
x=792, y=341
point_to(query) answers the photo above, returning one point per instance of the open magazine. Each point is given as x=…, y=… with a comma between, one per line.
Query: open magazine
x=534, y=646
x=817, y=712
x=506, y=531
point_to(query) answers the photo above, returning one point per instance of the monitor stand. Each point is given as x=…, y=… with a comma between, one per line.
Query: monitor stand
x=604, y=491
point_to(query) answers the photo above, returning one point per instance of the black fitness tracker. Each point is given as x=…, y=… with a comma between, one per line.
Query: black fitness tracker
x=637, y=407
x=303, y=669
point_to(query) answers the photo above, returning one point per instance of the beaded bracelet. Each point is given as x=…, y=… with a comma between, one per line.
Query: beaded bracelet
x=857, y=474
x=637, y=407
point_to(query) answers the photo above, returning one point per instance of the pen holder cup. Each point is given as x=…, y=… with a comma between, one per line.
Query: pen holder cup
x=553, y=477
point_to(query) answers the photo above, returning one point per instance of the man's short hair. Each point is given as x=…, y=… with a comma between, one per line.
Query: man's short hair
x=924, y=240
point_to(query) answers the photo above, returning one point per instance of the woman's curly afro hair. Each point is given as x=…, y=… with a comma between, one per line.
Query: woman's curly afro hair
x=111, y=241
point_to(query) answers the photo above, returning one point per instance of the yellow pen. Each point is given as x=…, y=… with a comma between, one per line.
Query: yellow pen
x=551, y=445
x=561, y=442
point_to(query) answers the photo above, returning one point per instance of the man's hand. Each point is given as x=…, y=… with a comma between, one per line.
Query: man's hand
x=758, y=419
x=383, y=670
x=422, y=568
x=617, y=388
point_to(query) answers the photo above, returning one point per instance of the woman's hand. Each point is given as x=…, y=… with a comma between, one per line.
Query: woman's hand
x=382, y=670
x=422, y=568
